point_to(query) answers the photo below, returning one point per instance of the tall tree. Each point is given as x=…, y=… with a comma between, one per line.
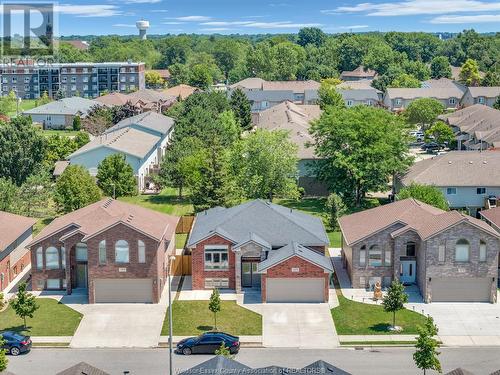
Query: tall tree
x=8, y=194
x=311, y=35
x=440, y=67
x=35, y=194
x=227, y=55
x=154, y=80
x=359, y=149
x=405, y=81
x=335, y=209
x=115, y=176
x=426, y=354
x=24, y=303
x=424, y=111
x=75, y=188
x=328, y=94
x=8, y=103
x=22, y=149
x=58, y=147
x=440, y=132
x=394, y=300
x=241, y=108
x=425, y=193
x=469, y=73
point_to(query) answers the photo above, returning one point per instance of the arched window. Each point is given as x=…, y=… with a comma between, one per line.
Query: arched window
x=375, y=256
x=39, y=258
x=141, y=250
x=362, y=256
x=482, y=251
x=121, y=252
x=51, y=258
x=462, y=250
x=102, y=252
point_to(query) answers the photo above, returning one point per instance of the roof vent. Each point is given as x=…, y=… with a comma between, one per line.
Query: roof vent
x=471, y=162
x=449, y=161
x=485, y=162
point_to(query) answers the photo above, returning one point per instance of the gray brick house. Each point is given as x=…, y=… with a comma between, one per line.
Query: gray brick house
x=450, y=256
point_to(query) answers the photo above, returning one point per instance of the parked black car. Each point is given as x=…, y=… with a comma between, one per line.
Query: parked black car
x=16, y=343
x=432, y=146
x=208, y=343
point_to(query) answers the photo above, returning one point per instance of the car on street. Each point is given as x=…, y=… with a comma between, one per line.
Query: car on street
x=208, y=343
x=15, y=343
x=432, y=147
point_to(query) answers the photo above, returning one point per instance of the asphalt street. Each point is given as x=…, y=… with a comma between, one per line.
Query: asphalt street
x=387, y=361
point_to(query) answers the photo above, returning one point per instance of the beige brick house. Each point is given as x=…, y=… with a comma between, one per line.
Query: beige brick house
x=116, y=251
x=449, y=255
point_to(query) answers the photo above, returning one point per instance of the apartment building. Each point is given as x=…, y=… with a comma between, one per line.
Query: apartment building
x=88, y=80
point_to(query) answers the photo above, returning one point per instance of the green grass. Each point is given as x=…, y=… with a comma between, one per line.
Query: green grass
x=335, y=239
x=51, y=319
x=180, y=240
x=356, y=318
x=166, y=202
x=376, y=343
x=64, y=133
x=40, y=224
x=194, y=318
x=25, y=105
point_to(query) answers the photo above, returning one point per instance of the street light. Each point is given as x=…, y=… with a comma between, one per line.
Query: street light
x=171, y=258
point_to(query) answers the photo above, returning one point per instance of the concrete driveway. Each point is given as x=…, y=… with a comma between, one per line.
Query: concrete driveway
x=300, y=325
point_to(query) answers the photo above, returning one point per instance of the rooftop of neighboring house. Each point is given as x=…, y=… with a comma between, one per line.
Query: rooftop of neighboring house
x=293, y=118
x=66, y=106
x=362, y=84
x=149, y=120
x=425, y=92
x=260, y=84
x=443, y=83
x=164, y=73
x=113, y=98
x=127, y=140
x=456, y=168
x=82, y=368
x=260, y=221
x=82, y=45
x=150, y=95
x=360, y=94
x=183, y=91
x=414, y=215
x=12, y=227
x=492, y=215
x=359, y=72
x=106, y=213
x=484, y=91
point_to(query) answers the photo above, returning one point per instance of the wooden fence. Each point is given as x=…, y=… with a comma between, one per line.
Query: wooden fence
x=181, y=265
x=184, y=225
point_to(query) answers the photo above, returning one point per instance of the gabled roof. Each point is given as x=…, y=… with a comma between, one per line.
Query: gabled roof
x=217, y=365
x=249, y=83
x=459, y=371
x=425, y=92
x=443, y=83
x=127, y=140
x=325, y=368
x=275, y=224
x=82, y=368
x=263, y=85
x=359, y=72
x=106, y=213
x=66, y=106
x=410, y=214
x=295, y=249
x=12, y=227
x=492, y=215
x=456, y=168
x=150, y=95
x=293, y=118
x=182, y=91
x=357, y=85
x=359, y=94
x=114, y=98
x=487, y=92
x=149, y=120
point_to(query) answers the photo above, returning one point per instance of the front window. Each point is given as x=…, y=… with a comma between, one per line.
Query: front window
x=216, y=258
x=481, y=100
x=102, y=252
x=375, y=256
x=410, y=249
x=39, y=258
x=350, y=103
x=482, y=251
x=462, y=249
x=388, y=257
x=451, y=191
x=51, y=258
x=362, y=256
x=121, y=251
x=63, y=257
x=481, y=191
x=141, y=251
x=453, y=100
x=441, y=253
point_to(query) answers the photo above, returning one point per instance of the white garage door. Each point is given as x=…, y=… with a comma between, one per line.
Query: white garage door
x=454, y=289
x=295, y=290
x=123, y=290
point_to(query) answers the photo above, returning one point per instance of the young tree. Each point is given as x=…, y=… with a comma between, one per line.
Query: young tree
x=496, y=105
x=58, y=147
x=75, y=188
x=424, y=111
x=426, y=354
x=154, y=80
x=44, y=99
x=440, y=67
x=115, y=176
x=241, y=108
x=405, y=81
x=440, y=133
x=224, y=351
x=35, y=194
x=395, y=299
x=214, y=305
x=77, y=123
x=24, y=303
x=265, y=165
x=8, y=103
x=335, y=208
x=469, y=73
x=81, y=138
x=425, y=193
x=359, y=150
x=328, y=94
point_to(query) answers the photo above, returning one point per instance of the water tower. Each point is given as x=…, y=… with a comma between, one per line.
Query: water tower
x=142, y=25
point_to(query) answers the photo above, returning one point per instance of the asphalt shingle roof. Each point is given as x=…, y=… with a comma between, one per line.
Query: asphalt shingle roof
x=149, y=120
x=425, y=92
x=82, y=368
x=492, y=215
x=487, y=92
x=66, y=106
x=295, y=249
x=275, y=224
x=217, y=365
x=359, y=94
x=323, y=367
x=12, y=227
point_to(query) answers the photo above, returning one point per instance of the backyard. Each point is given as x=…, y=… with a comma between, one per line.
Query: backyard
x=25, y=105
x=51, y=319
x=167, y=202
x=193, y=318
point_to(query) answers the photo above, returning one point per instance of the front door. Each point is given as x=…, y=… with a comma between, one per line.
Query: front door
x=249, y=276
x=407, y=271
x=81, y=275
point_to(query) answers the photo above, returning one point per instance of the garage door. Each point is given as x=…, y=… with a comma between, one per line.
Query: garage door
x=295, y=290
x=123, y=290
x=472, y=289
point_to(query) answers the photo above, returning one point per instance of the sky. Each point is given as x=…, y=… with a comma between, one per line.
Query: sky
x=101, y=17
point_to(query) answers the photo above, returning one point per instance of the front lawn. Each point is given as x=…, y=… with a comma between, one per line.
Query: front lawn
x=167, y=202
x=51, y=319
x=356, y=318
x=194, y=317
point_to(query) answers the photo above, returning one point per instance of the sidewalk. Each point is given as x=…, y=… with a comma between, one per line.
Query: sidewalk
x=454, y=341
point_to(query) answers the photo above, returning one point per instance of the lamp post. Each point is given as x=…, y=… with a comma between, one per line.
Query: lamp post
x=171, y=258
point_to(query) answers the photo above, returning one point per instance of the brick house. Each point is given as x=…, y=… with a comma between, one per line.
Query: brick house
x=117, y=252
x=448, y=255
x=264, y=246
x=15, y=233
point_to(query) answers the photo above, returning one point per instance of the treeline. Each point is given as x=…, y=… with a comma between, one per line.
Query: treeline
x=311, y=54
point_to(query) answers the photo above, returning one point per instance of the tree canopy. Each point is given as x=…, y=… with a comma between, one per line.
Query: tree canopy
x=75, y=188
x=424, y=111
x=425, y=193
x=115, y=176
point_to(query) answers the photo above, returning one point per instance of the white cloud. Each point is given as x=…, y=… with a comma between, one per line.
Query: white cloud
x=173, y=23
x=215, y=29
x=262, y=25
x=194, y=18
x=226, y=23
x=95, y=10
x=454, y=19
x=123, y=25
x=354, y=27
x=142, y=1
x=417, y=7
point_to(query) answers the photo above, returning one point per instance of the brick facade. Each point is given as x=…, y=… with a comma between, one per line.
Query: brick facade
x=284, y=270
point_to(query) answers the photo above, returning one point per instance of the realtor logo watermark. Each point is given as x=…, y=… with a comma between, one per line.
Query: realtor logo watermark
x=28, y=29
